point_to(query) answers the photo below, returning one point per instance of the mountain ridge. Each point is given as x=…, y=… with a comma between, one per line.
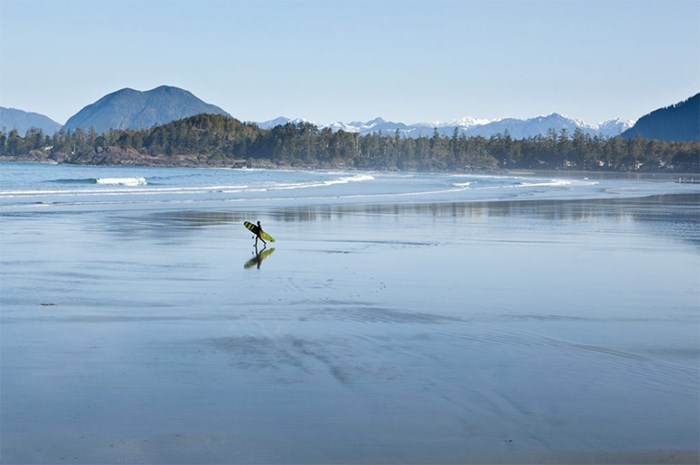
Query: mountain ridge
x=469, y=126
x=22, y=121
x=128, y=108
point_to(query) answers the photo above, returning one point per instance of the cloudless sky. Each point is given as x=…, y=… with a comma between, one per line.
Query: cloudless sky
x=329, y=60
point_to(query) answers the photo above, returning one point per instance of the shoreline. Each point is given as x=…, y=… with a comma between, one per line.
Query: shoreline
x=265, y=164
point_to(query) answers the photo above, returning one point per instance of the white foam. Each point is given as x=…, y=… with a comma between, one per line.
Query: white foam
x=330, y=182
x=347, y=179
x=561, y=183
x=552, y=183
x=359, y=178
x=131, y=182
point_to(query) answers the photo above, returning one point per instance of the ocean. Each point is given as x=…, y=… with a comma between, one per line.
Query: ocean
x=398, y=317
x=25, y=185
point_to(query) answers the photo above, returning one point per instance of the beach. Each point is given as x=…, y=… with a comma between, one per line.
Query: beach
x=533, y=330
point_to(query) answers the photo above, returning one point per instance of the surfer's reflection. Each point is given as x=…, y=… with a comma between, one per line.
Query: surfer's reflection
x=258, y=258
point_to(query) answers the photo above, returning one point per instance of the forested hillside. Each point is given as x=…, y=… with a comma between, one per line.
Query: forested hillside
x=679, y=122
x=218, y=140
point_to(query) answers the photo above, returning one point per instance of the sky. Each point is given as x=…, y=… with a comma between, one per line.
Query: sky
x=353, y=60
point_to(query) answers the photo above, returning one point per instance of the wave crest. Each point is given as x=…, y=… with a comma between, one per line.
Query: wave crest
x=131, y=182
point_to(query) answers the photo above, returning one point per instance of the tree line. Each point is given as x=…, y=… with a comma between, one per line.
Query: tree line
x=218, y=139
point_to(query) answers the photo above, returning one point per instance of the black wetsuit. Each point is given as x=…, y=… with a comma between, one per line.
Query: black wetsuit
x=258, y=235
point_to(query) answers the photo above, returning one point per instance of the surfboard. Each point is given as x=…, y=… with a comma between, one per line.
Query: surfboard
x=254, y=229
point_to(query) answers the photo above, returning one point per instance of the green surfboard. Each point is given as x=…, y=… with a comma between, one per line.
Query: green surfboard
x=254, y=229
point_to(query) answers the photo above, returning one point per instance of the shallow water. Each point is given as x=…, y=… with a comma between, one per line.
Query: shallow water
x=374, y=332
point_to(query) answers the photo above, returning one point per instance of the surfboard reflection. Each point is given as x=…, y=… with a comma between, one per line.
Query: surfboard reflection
x=258, y=258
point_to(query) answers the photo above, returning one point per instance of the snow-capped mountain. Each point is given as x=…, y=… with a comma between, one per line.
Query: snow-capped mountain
x=375, y=125
x=613, y=127
x=542, y=125
x=281, y=121
x=464, y=122
x=469, y=126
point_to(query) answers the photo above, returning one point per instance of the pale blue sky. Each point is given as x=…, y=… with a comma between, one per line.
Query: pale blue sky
x=350, y=60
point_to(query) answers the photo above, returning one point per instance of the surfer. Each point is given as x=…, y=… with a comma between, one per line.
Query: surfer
x=258, y=235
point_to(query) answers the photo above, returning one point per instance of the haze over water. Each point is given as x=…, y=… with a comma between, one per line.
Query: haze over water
x=397, y=318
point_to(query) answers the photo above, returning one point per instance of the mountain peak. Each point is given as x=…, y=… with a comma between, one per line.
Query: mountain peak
x=165, y=87
x=133, y=109
x=124, y=91
x=552, y=116
x=377, y=120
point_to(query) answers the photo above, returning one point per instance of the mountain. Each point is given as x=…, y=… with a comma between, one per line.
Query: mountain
x=369, y=127
x=679, y=122
x=541, y=125
x=11, y=118
x=522, y=129
x=517, y=128
x=613, y=127
x=281, y=121
x=132, y=109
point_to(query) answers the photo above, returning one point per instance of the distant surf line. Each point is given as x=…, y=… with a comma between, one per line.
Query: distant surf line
x=141, y=182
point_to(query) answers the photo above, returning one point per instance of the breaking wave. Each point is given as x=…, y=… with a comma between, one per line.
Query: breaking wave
x=321, y=183
x=130, y=182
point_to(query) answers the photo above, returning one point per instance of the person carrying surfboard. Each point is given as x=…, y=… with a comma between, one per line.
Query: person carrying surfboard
x=258, y=235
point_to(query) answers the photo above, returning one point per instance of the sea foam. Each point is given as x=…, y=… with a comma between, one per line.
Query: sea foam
x=131, y=182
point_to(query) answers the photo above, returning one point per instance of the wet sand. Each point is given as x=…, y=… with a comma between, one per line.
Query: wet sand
x=503, y=332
